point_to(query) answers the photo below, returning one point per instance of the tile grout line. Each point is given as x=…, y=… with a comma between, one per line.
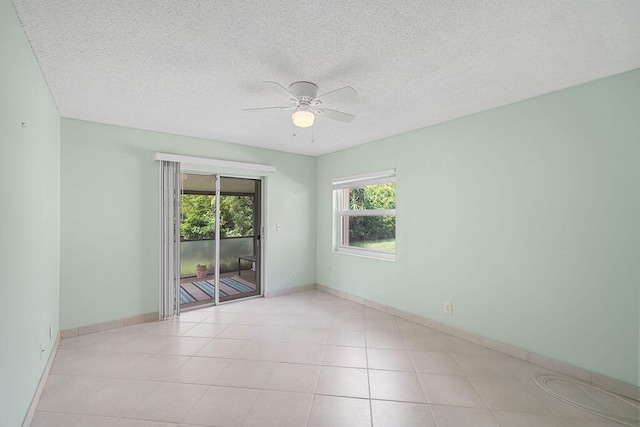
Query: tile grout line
x=366, y=355
x=508, y=368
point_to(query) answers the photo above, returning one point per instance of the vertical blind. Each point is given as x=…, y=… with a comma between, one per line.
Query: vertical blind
x=170, y=240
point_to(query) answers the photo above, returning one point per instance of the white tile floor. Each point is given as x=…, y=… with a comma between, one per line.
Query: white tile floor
x=306, y=359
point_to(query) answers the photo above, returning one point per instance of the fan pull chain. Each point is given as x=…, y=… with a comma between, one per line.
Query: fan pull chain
x=294, y=129
x=312, y=136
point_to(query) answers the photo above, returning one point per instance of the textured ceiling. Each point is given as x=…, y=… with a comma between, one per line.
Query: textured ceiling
x=189, y=67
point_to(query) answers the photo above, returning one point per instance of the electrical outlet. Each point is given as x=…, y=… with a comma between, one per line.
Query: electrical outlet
x=448, y=308
x=293, y=276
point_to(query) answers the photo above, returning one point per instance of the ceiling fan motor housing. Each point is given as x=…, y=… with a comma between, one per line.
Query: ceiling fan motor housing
x=306, y=104
x=305, y=91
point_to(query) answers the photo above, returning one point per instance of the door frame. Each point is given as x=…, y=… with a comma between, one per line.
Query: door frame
x=262, y=245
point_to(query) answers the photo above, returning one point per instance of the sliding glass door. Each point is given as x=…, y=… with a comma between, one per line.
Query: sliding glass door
x=220, y=225
x=239, y=261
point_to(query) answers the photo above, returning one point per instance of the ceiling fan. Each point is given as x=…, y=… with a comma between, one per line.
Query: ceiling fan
x=307, y=104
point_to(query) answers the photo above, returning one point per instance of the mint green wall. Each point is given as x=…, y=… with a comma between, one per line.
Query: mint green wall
x=110, y=217
x=29, y=220
x=525, y=217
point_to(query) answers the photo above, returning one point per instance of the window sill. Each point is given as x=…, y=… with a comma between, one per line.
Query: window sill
x=364, y=253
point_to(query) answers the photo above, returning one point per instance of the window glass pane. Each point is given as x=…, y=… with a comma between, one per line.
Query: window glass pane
x=372, y=232
x=198, y=221
x=198, y=216
x=236, y=216
x=380, y=196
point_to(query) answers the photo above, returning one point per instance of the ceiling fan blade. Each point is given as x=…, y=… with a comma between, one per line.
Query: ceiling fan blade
x=337, y=95
x=268, y=108
x=334, y=114
x=277, y=87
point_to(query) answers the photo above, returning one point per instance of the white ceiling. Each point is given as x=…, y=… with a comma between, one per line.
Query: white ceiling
x=189, y=67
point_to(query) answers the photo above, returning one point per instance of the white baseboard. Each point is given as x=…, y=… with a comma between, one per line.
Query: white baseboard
x=105, y=326
x=604, y=382
x=43, y=380
x=292, y=290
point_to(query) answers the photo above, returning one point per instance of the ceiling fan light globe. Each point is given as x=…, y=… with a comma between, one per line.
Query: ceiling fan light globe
x=302, y=118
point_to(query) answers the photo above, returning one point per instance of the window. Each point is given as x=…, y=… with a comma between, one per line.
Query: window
x=365, y=215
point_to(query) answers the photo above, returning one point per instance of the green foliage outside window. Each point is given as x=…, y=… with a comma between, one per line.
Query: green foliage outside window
x=198, y=218
x=198, y=221
x=236, y=216
x=382, y=196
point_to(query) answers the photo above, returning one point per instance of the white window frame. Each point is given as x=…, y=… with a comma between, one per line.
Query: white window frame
x=342, y=213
